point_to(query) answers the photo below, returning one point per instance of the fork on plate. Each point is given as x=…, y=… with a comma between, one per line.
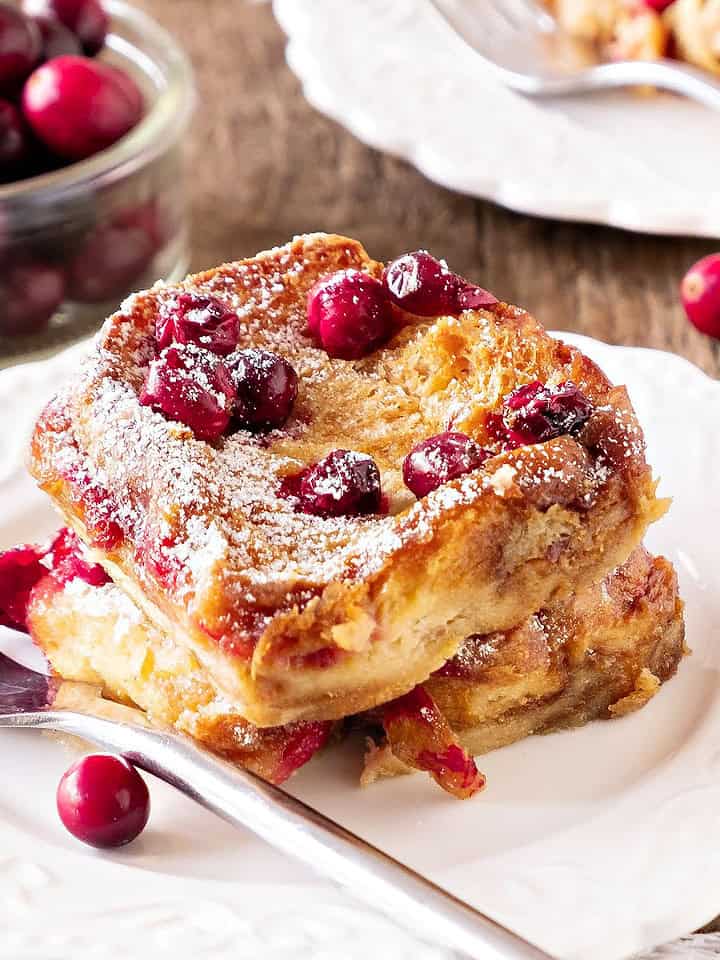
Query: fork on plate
x=529, y=53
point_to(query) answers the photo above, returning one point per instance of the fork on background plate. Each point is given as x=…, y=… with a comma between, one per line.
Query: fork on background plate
x=528, y=52
x=284, y=822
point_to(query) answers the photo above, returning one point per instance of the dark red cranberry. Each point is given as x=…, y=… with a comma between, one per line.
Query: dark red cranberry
x=69, y=561
x=193, y=386
x=103, y=801
x=422, y=285
x=14, y=140
x=29, y=296
x=342, y=484
x=349, y=313
x=266, y=387
x=20, y=47
x=111, y=260
x=191, y=318
x=535, y=413
x=57, y=40
x=78, y=107
x=86, y=19
x=20, y=569
x=438, y=459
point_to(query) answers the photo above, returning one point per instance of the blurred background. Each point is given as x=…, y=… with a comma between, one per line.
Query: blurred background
x=262, y=165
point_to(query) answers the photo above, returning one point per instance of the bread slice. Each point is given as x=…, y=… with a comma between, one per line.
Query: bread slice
x=302, y=617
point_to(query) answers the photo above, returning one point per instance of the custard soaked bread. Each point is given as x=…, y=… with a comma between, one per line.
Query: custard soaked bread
x=318, y=491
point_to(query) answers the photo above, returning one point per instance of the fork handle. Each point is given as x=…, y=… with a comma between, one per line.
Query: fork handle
x=665, y=74
x=299, y=831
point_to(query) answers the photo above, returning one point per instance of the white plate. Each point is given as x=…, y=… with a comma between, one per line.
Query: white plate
x=399, y=79
x=594, y=843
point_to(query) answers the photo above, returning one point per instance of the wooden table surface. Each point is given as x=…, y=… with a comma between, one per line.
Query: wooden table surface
x=264, y=165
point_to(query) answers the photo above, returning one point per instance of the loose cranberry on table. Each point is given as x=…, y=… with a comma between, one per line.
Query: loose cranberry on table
x=535, y=413
x=29, y=296
x=191, y=318
x=192, y=386
x=20, y=48
x=86, y=19
x=438, y=459
x=342, y=484
x=103, y=801
x=349, y=313
x=266, y=387
x=700, y=293
x=78, y=107
x=422, y=285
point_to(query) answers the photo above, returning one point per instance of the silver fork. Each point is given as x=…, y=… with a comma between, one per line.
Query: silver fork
x=529, y=53
x=284, y=822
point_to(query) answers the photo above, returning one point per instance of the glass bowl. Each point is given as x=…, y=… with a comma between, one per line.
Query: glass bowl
x=75, y=242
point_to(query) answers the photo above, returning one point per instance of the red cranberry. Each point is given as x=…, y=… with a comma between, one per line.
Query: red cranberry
x=266, y=387
x=20, y=569
x=658, y=5
x=438, y=459
x=700, y=293
x=343, y=483
x=29, y=296
x=57, y=40
x=422, y=285
x=86, y=19
x=349, y=313
x=20, y=47
x=78, y=107
x=103, y=801
x=193, y=386
x=14, y=144
x=206, y=321
x=535, y=413
x=69, y=562
x=111, y=260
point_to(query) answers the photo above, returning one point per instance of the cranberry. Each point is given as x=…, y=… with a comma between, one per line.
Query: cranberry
x=535, y=413
x=86, y=19
x=29, y=296
x=20, y=47
x=103, y=801
x=20, y=569
x=438, y=459
x=206, y=321
x=266, y=387
x=658, y=5
x=422, y=285
x=69, y=562
x=343, y=483
x=193, y=386
x=111, y=260
x=700, y=292
x=57, y=40
x=349, y=313
x=78, y=107
x=14, y=143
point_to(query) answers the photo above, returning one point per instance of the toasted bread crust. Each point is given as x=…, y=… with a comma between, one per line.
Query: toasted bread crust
x=296, y=616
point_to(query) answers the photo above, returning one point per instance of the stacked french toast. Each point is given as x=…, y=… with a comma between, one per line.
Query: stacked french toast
x=307, y=494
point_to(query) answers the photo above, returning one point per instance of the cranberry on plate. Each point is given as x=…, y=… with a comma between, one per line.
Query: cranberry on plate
x=342, y=484
x=78, y=107
x=192, y=318
x=438, y=459
x=103, y=801
x=20, y=47
x=266, y=385
x=535, y=413
x=422, y=285
x=349, y=313
x=86, y=19
x=700, y=293
x=192, y=386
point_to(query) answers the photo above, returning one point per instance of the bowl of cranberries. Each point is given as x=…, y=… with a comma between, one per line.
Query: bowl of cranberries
x=95, y=99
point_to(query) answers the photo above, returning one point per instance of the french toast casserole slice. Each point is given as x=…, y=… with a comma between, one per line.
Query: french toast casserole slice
x=296, y=616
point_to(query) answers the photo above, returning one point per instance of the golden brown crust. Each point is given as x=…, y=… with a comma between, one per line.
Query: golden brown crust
x=296, y=616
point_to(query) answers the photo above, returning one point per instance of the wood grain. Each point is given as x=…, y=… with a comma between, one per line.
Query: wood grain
x=264, y=165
